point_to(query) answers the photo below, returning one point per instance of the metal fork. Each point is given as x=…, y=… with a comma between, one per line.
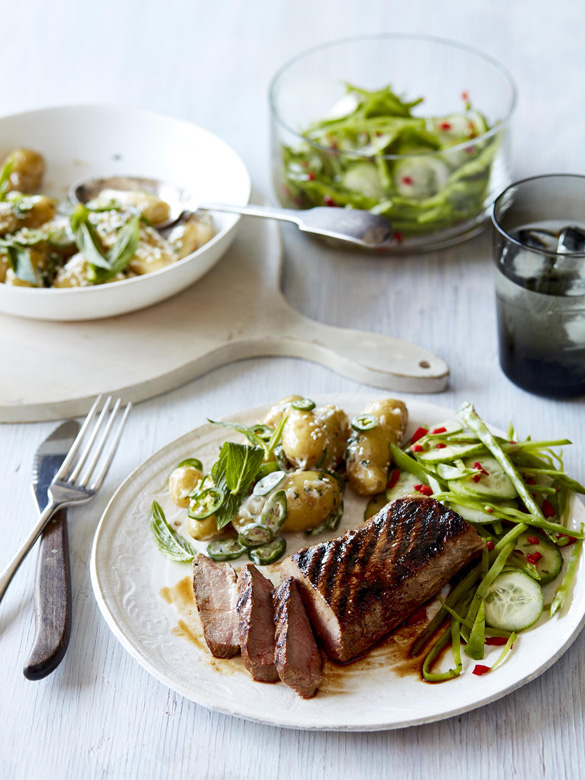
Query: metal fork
x=69, y=485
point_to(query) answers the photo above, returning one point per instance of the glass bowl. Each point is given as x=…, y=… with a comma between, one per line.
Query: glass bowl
x=433, y=169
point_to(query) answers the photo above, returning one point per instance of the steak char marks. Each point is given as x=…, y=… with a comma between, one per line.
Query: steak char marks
x=360, y=586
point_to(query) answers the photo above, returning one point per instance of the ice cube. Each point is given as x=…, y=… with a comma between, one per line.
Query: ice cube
x=536, y=238
x=571, y=241
x=530, y=265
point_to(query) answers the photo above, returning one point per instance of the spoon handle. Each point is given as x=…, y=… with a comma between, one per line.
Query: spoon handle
x=267, y=212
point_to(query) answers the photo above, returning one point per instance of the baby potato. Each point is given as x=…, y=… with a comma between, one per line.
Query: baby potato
x=39, y=209
x=304, y=439
x=153, y=252
x=4, y=266
x=147, y=203
x=315, y=437
x=182, y=483
x=9, y=221
x=337, y=429
x=311, y=497
x=368, y=452
x=191, y=234
x=28, y=168
x=202, y=530
x=73, y=273
x=278, y=411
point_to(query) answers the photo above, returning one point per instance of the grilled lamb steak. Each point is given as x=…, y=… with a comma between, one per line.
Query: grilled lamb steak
x=297, y=656
x=256, y=624
x=216, y=594
x=363, y=584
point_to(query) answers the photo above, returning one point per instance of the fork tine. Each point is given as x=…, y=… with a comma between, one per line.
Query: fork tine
x=78, y=439
x=92, y=437
x=102, y=442
x=112, y=451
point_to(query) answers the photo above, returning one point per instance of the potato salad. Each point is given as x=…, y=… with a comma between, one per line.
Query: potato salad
x=44, y=243
x=290, y=476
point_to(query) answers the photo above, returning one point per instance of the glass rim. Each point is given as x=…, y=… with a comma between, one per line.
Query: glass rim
x=499, y=227
x=496, y=128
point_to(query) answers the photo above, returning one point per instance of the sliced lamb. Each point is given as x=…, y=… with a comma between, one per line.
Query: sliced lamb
x=216, y=595
x=297, y=656
x=360, y=586
x=256, y=624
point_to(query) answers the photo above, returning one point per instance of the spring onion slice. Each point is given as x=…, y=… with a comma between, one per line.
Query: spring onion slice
x=303, y=404
x=206, y=503
x=364, y=422
x=193, y=462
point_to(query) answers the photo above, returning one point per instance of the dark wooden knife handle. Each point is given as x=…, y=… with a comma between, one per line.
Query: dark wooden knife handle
x=52, y=600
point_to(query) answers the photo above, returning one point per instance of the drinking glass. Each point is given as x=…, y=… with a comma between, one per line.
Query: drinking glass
x=539, y=256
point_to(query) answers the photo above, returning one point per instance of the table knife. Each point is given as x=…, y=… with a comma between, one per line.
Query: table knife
x=53, y=574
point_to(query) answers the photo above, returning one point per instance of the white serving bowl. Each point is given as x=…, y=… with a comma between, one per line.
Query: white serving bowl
x=82, y=142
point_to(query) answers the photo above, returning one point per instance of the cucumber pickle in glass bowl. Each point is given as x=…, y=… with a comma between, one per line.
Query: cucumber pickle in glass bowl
x=411, y=127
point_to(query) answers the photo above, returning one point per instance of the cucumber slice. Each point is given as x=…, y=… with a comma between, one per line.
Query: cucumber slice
x=551, y=562
x=363, y=178
x=514, y=602
x=404, y=487
x=451, y=452
x=374, y=505
x=420, y=176
x=451, y=428
x=496, y=484
x=477, y=515
x=472, y=515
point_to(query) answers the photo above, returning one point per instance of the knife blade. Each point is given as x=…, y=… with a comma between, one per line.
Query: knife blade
x=53, y=573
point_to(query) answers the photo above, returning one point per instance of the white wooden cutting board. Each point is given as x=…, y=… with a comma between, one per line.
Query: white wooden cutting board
x=53, y=370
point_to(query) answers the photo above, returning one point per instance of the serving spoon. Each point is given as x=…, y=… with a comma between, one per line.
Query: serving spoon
x=353, y=226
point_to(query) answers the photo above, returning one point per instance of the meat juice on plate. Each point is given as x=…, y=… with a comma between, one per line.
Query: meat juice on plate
x=540, y=301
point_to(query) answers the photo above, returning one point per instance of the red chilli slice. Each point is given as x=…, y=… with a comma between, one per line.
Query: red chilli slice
x=534, y=557
x=533, y=539
x=394, y=477
x=417, y=448
x=548, y=509
x=484, y=473
x=490, y=545
x=424, y=490
x=439, y=430
x=418, y=434
x=480, y=669
x=496, y=640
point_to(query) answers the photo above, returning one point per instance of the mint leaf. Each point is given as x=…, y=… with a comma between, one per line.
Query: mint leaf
x=168, y=541
x=252, y=437
x=233, y=473
x=21, y=263
x=86, y=238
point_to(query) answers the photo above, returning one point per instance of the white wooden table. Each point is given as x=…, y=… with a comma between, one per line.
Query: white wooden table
x=100, y=714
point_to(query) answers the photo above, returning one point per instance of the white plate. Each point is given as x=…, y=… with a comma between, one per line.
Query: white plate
x=128, y=573
x=80, y=142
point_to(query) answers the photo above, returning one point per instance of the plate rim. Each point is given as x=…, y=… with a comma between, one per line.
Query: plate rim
x=203, y=700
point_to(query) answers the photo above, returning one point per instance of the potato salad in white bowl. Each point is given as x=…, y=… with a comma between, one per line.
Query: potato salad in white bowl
x=61, y=260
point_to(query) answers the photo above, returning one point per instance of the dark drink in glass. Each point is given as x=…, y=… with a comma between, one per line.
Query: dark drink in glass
x=539, y=254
